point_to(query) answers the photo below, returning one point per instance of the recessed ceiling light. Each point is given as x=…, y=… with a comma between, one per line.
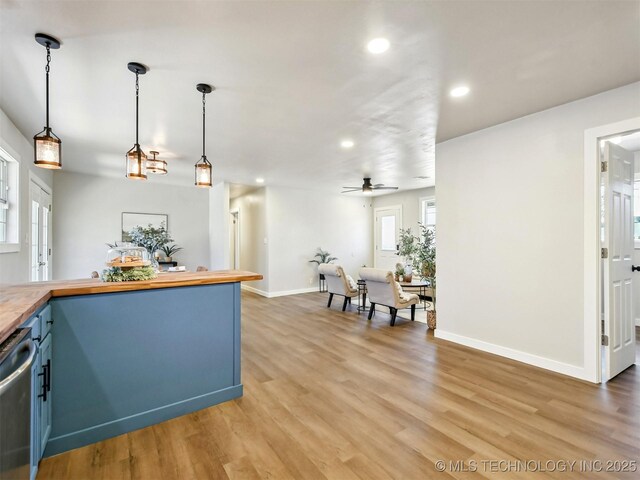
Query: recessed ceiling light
x=378, y=45
x=459, y=91
x=259, y=180
x=346, y=143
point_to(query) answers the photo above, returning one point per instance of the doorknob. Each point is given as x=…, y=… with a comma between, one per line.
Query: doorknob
x=635, y=269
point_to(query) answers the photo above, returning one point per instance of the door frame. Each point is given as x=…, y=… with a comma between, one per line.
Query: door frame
x=236, y=247
x=592, y=367
x=375, y=213
x=47, y=189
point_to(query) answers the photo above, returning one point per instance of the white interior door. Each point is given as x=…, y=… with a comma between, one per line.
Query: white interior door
x=619, y=324
x=388, y=222
x=39, y=233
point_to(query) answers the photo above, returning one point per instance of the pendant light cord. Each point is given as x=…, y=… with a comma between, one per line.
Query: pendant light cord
x=137, y=95
x=203, y=124
x=46, y=69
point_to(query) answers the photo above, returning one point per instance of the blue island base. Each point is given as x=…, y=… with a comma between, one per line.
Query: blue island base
x=128, y=360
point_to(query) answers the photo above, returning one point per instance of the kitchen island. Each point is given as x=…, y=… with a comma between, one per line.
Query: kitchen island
x=129, y=355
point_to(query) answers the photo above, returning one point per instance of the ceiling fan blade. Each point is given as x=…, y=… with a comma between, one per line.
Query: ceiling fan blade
x=385, y=188
x=354, y=188
x=351, y=190
x=378, y=185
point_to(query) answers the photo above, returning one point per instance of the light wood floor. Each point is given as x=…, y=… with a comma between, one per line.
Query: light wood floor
x=331, y=395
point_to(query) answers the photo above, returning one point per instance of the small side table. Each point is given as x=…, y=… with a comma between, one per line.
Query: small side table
x=322, y=284
x=362, y=296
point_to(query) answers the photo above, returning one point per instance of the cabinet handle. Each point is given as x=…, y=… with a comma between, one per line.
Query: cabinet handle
x=37, y=339
x=46, y=386
x=49, y=322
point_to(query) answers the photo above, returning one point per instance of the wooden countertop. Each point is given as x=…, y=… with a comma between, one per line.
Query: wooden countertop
x=19, y=302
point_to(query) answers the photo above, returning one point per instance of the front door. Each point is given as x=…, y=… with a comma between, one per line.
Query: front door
x=619, y=324
x=388, y=222
x=39, y=233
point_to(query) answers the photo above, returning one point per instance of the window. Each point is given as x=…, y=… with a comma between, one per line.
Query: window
x=9, y=171
x=428, y=212
x=388, y=233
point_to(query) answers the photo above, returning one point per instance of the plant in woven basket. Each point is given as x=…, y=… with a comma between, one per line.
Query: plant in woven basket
x=425, y=265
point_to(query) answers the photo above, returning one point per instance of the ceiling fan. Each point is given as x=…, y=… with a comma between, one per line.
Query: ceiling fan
x=367, y=188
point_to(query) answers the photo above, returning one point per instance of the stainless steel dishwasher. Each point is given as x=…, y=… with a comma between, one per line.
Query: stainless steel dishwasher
x=17, y=355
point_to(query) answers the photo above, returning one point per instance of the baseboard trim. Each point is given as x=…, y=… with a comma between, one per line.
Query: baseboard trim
x=281, y=293
x=257, y=291
x=96, y=433
x=528, y=358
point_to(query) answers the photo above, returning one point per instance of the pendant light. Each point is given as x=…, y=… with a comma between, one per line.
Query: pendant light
x=203, y=166
x=136, y=158
x=155, y=165
x=46, y=145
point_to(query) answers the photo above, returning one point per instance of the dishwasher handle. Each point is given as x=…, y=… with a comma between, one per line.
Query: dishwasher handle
x=22, y=369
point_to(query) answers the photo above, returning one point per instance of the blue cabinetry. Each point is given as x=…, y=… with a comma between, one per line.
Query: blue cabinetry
x=40, y=325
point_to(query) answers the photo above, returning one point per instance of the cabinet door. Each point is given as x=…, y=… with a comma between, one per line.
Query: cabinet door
x=45, y=393
x=35, y=416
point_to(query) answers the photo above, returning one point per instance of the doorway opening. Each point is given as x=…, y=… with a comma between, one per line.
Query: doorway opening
x=619, y=242
x=234, y=242
x=40, y=251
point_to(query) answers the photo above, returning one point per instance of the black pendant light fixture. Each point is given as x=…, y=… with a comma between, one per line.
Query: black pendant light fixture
x=46, y=144
x=155, y=165
x=204, y=174
x=136, y=158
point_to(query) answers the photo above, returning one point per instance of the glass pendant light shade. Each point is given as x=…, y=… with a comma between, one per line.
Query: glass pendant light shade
x=155, y=165
x=136, y=164
x=204, y=173
x=47, y=148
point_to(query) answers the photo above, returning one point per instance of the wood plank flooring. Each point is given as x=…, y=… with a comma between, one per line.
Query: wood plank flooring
x=332, y=395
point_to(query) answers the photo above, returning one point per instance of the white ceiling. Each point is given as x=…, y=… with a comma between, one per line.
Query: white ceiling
x=294, y=78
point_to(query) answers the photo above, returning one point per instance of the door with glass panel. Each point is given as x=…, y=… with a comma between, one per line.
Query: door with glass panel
x=39, y=233
x=388, y=222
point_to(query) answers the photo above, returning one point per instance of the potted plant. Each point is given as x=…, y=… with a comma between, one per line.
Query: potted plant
x=152, y=238
x=406, y=249
x=169, y=251
x=425, y=263
x=322, y=256
x=400, y=272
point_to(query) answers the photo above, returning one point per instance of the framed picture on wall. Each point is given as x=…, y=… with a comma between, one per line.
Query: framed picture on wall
x=131, y=220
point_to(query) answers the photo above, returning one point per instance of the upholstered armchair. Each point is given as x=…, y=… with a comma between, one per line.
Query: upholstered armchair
x=382, y=289
x=338, y=283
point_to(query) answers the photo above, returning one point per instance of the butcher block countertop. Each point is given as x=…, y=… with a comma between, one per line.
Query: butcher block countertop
x=19, y=302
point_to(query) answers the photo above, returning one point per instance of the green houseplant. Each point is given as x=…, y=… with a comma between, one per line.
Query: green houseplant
x=407, y=246
x=424, y=259
x=169, y=251
x=322, y=256
x=152, y=238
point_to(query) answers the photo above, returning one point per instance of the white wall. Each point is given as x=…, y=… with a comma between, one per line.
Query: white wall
x=87, y=213
x=252, y=216
x=510, y=232
x=14, y=267
x=219, y=226
x=299, y=221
